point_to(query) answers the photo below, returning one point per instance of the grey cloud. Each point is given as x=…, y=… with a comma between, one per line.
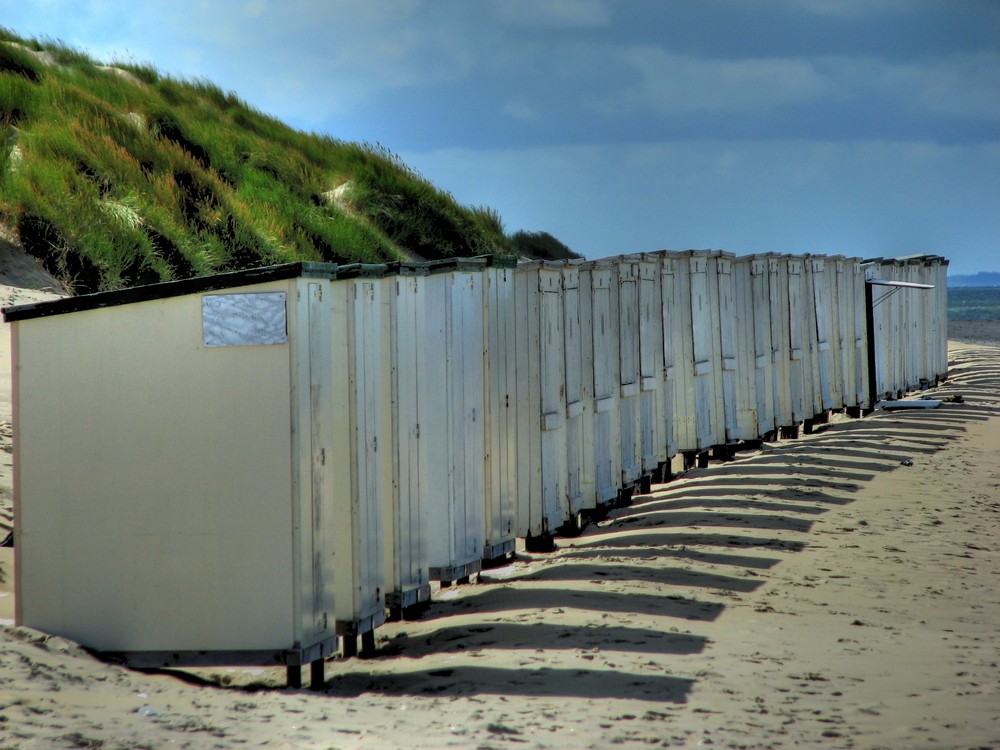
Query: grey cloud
x=553, y=13
x=678, y=84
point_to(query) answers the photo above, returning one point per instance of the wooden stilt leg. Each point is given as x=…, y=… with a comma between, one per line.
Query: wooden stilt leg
x=645, y=484
x=368, y=644
x=317, y=677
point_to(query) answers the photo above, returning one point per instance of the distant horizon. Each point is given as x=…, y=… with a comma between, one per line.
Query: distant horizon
x=980, y=280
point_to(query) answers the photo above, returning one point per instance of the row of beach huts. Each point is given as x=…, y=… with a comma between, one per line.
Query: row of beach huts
x=257, y=467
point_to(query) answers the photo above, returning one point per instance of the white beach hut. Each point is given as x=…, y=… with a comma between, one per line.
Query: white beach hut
x=823, y=308
x=800, y=376
x=541, y=404
x=781, y=356
x=602, y=431
x=361, y=334
x=709, y=402
x=763, y=364
x=183, y=469
x=811, y=351
x=406, y=512
x=453, y=423
x=678, y=354
x=628, y=370
x=501, y=413
x=653, y=424
x=578, y=480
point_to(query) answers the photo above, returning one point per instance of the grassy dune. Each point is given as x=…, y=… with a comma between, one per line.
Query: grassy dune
x=119, y=175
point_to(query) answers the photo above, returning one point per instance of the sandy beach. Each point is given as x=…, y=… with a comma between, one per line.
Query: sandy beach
x=837, y=591
x=974, y=331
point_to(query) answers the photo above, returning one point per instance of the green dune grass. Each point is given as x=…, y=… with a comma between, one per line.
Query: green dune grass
x=119, y=175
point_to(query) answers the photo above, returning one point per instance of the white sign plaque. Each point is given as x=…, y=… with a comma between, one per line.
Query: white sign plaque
x=244, y=319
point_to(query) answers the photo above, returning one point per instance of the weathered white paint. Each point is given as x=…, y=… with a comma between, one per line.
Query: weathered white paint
x=678, y=423
x=598, y=277
x=543, y=504
x=781, y=338
x=763, y=364
x=628, y=370
x=744, y=320
x=652, y=385
x=501, y=415
x=709, y=399
x=731, y=395
x=361, y=335
x=405, y=547
x=574, y=396
x=455, y=422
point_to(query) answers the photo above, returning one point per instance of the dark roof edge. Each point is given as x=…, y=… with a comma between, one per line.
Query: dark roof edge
x=247, y=277
x=169, y=289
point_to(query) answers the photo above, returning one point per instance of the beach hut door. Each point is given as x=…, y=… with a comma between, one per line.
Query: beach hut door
x=319, y=420
x=701, y=329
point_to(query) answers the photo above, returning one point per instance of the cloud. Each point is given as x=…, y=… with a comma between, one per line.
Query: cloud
x=841, y=9
x=959, y=86
x=518, y=109
x=673, y=84
x=255, y=8
x=553, y=13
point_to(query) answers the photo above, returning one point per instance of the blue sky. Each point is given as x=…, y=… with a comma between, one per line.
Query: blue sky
x=861, y=127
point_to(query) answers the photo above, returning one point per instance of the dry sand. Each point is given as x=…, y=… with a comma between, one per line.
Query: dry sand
x=818, y=593
x=974, y=331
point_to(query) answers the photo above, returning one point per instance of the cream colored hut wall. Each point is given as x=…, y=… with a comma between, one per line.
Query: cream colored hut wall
x=138, y=528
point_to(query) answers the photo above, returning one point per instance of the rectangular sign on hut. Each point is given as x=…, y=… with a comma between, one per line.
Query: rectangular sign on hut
x=249, y=319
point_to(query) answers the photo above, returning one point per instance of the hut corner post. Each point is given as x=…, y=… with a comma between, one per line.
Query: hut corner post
x=870, y=321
